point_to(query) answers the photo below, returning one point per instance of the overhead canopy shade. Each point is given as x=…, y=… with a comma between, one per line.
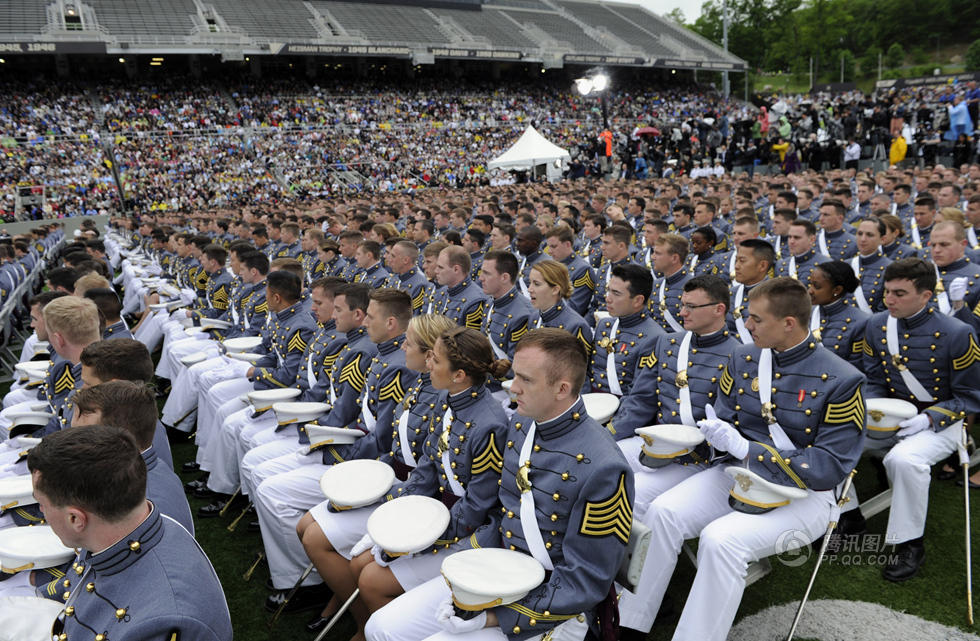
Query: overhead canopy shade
x=530, y=150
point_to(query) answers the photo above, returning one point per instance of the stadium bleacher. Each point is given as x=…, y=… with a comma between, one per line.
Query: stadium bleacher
x=260, y=23
x=145, y=17
x=21, y=16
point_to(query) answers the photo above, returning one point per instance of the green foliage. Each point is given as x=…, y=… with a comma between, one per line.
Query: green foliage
x=895, y=56
x=972, y=59
x=847, y=58
x=773, y=35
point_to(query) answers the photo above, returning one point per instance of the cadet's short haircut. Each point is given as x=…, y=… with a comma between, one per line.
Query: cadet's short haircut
x=77, y=319
x=476, y=236
x=675, y=243
x=119, y=358
x=45, y=297
x=920, y=272
x=555, y=274
x=433, y=248
x=504, y=261
x=761, y=250
x=255, y=260
x=63, y=277
x=290, y=265
x=355, y=236
x=807, y=225
x=107, y=301
x=562, y=233
x=408, y=248
x=567, y=354
x=507, y=230
x=427, y=225
x=371, y=247
x=714, y=287
x=638, y=279
x=685, y=209
x=130, y=405
x=394, y=303
x=925, y=200
x=260, y=231
x=748, y=221
x=458, y=257
x=785, y=214
x=216, y=253
x=959, y=234
x=90, y=281
x=285, y=283
x=786, y=297
x=329, y=284
x=357, y=295
x=710, y=206
x=291, y=228
x=619, y=234
x=98, y=469
x=788, y=196
x=838, y=206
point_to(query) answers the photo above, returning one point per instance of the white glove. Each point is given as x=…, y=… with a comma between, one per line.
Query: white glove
x=723, y=437
x=957, y=289
x=914, y=425
x=379, y=556
x=362, y=546
x=446, y=617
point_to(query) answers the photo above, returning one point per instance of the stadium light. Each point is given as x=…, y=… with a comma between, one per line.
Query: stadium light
x=600, y=82
x=595, y=82
x=584, y=86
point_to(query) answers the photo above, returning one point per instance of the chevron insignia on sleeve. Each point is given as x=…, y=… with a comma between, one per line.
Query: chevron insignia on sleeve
x=419, y=300
x=613, y=515
x=859, y=346
x=393, y=390
x=519, y=333
x=851, y=410
x=866, y=346
x=351, y=373
x=971, y=356
x=330, y=359
x=585, y=280
x=585, y=340
x=726, y=382
x=296, y=343
x=976, y=310
x=261, y=308
x=474, y=319
x=65, y=382
x=648, y=361
x=201, y=280
x=489, y=459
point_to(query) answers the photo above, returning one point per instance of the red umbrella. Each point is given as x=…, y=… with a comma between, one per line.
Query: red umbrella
x=648, y=131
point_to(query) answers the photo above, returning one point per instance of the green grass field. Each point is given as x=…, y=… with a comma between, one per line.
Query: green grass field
x=936, y=594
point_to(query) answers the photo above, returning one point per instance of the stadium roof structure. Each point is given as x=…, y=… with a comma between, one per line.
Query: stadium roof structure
x=550, y=32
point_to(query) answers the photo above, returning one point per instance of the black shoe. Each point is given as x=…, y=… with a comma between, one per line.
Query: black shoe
x=627, y=634
x=308, y=597
x=973, y=484
x=213, y=508
x=947, y=475
x=908, y=560
x=204, y=493
x=852, y=523
x=190, y=466
x=191, y=487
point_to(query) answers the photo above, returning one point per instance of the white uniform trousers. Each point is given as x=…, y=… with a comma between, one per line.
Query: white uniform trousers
x=215, y=449
x=150, y=331
x=173, y=332
x=729, y=541
x=286, y=448
x=182, y=399
x=908, y=466
x=412, y=617
x=280, y=502
x=210, y=401
x=239, y=433
x=649, y=483
x=178, y=349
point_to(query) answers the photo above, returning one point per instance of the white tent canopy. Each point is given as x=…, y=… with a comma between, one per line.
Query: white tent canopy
x=530, y=150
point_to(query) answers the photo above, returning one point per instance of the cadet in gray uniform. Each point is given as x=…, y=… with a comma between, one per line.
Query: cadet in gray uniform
x=834, y=321
x=560, y=241
x=669, y=257
x=402, y=261
x=918, y=354
x=460, y=298
x=510, y=311
x=550, y=288
x=778, y=397
x=368, y=257
x=151, y=582
x=627, y=335
x=802, y=253
x=832, y=240
x=673, y=384
x=554, y=449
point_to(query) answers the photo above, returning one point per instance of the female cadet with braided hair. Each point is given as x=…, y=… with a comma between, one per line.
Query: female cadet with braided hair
x=328, y=536
x=835, y=320
x=460, y=464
